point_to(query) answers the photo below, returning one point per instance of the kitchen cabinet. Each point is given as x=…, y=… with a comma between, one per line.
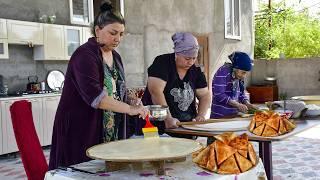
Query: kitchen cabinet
x=9, y=141
x=4, y=53
x=50, y=105
x=73, y=39
x=36, y=104
x=22, y=32
x=1, y=136
x=53, y=44
x=8, y=137
x=3, y=29
x=262, y=94
x=43, y=112
x=86, y=34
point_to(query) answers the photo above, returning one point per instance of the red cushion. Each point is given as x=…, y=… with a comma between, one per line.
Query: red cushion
x=32, y=156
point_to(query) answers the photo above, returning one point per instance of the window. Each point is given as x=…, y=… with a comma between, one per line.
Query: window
x=232, y=25
x=81, y=12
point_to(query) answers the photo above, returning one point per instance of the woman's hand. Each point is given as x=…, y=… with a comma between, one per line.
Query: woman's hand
x=139, y=110
x=199, y=118
x=242, y=108
x=251, y=106
x=171, y=122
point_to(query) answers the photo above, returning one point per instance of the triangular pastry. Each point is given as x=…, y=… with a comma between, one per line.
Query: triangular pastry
x=282, y=128
x=243, y=153
x=223, y=151
x=252, y=154
x=212, y=163
x=289, y=125
x=229, y=166
x=226, y=137
x=273, y=121
x=258, y=130
x=252, y=125
x=202, y=157
x=244, y=164
x=269, y=131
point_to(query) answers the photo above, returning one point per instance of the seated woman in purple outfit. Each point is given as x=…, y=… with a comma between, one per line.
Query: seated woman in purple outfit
x=91, y=103
x=228, y=87
x=174, y=80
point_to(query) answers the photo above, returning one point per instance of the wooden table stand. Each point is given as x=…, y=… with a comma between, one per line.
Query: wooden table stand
x=159, y=165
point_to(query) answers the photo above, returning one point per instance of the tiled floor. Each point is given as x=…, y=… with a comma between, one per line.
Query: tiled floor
x=297, y=158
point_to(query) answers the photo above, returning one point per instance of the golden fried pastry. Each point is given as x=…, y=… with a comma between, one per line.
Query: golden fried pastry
x=282, y=128
x=274, y=121
x=229, y=166
x=270, y=124
x=223, y=151
x=244, y=163
x=252, y=154
x=226, y=137
x=258, y=131
x=202, y=157
x=269, y=131
x=229, y=154
x=212, y=163
x=289, y=125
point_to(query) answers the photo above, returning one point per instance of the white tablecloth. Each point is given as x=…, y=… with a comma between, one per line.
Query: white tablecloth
x=177, y=170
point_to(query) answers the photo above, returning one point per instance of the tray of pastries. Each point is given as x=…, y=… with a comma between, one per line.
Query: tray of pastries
x=270, y=124
x=228, y=154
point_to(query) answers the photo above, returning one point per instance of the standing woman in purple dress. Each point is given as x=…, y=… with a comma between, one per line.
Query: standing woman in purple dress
x=228, y=87
x=94, y=88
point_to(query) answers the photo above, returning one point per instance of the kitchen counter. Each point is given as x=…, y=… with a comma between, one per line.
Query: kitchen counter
x=44, y=108
x=28, y=96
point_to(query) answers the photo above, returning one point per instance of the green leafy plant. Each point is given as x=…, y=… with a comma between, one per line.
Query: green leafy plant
x=282, y=30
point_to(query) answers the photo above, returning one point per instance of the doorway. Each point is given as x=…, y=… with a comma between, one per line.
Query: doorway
x=203, y=54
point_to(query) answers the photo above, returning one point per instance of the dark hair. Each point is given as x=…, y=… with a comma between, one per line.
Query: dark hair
x=107, y=16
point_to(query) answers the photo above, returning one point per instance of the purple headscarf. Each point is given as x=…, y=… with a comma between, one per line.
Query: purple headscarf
x=185, y=44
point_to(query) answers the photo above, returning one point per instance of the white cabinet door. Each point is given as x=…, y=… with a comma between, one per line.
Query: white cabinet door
x=4, y=53
x=9, y=140
x=53, y=45
x=3, y=29
x=1, y=132
x=50, y=105
x=22, y=32
x=36, y=104
x=86, y=34
x=73, y=38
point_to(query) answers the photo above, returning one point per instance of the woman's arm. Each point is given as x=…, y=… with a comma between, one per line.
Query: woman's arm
x=204, y=97
x=156, y=87
x=108, y=103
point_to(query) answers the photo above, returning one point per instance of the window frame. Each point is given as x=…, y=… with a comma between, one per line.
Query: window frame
x=82, y=22
x=232, y=18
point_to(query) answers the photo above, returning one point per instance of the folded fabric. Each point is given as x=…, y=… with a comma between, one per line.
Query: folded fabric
x=293, y=105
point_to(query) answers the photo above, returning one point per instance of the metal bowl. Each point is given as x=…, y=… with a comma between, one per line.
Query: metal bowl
x=158, y=112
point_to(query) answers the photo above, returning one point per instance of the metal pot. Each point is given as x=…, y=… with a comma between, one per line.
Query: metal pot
x=33, y=84
x=158, y=112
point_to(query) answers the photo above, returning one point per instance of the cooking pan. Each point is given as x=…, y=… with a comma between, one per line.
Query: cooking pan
x=33, y=84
